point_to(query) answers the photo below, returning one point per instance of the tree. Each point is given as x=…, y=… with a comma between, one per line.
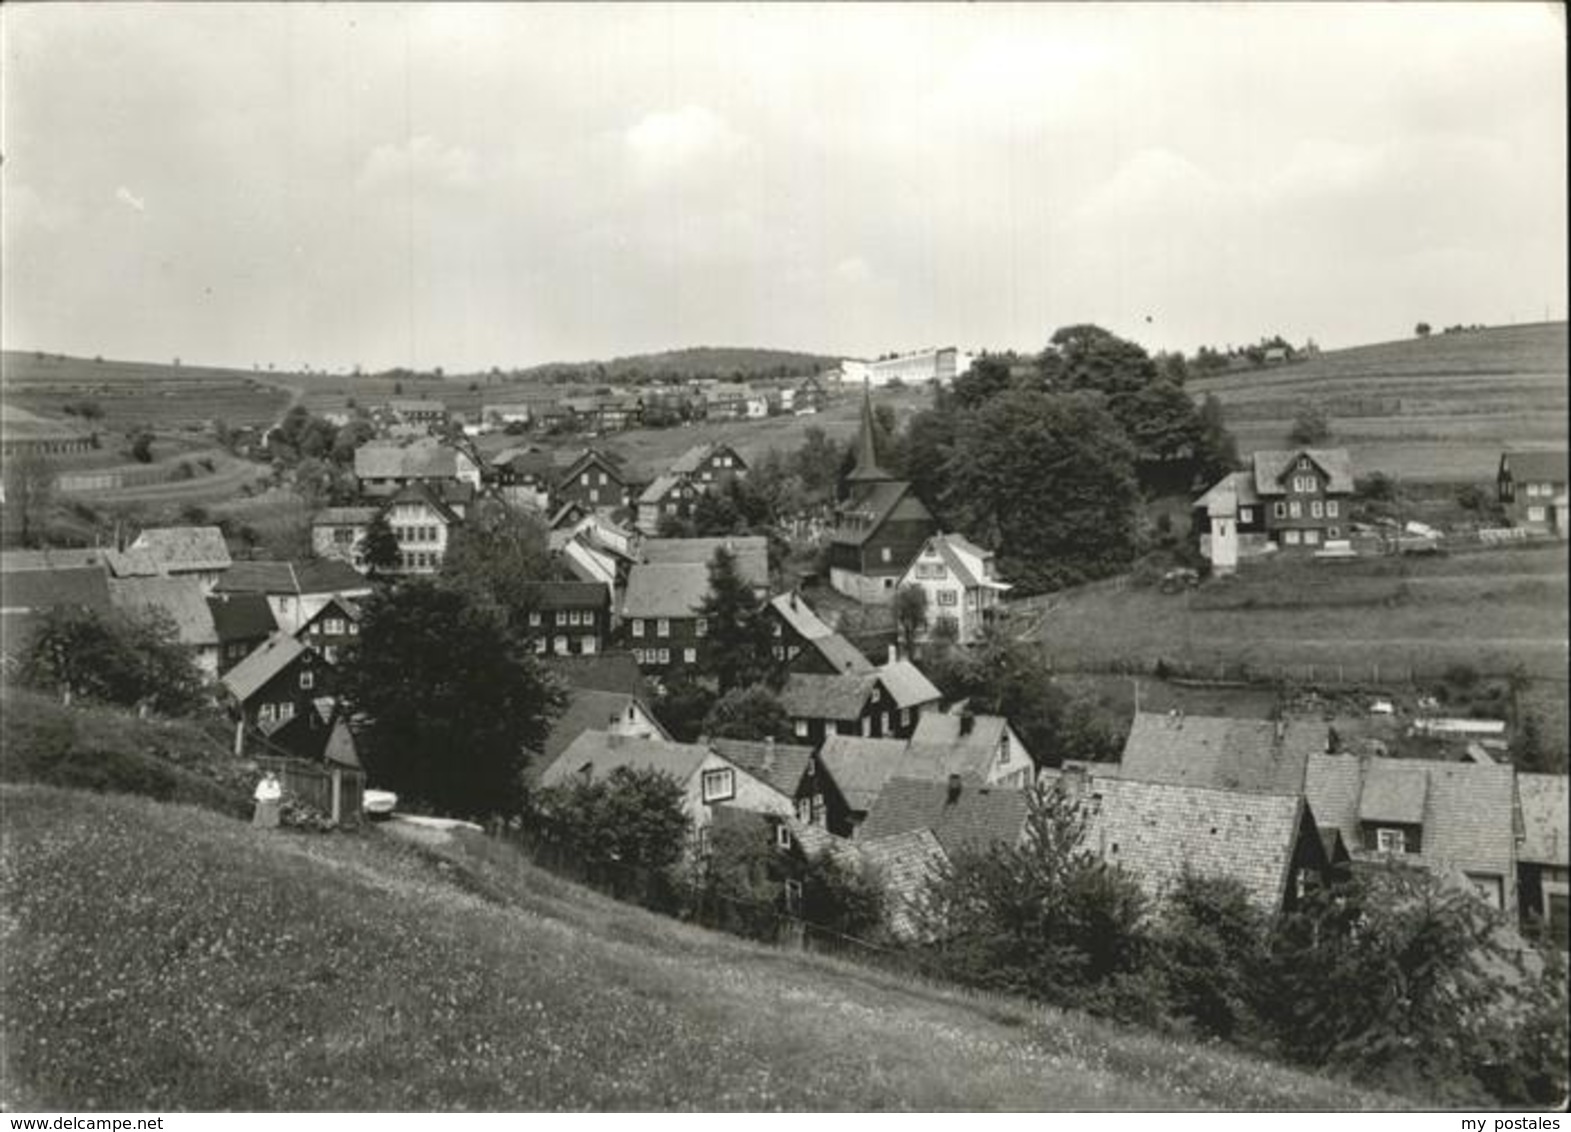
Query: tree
x=446, y=702
x=1422, y=329
x=737, y=646
x=499, y=557
x=1043, y=916
x=1210, y=946
x=115, y=658
x=748, y=713
x=1047, y=481
x=1161, y=422
x=683, y=706
x=1217, y=450
x=1310, y=425
x=1529, y=752
x=379, y=547
x=989, y=375
x=30, y=489
x=1086, y=357
x=910, y=614
x=141, y=445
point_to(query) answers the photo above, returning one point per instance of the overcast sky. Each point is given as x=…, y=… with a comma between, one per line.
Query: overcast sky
x=501, y=185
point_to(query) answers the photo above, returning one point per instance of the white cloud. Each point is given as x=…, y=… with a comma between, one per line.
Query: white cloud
x=126, y=197
x=668, y=143
x=422, y=161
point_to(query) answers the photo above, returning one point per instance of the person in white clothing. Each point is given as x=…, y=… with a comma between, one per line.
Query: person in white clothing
x=269, y=799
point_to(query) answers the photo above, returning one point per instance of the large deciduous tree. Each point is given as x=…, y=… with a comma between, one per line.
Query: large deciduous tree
x=29, y=490
x=748, y=713
x=499, y=557
x=447, y=702
x=1047, y=480
x=114, y=658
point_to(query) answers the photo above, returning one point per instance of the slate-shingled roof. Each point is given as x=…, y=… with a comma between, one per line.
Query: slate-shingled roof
x=839, y=652
x=588, y=709
x=270, y=658
x=1468, y=813
x=860, y=767
x=185, y=548
x=602, y=753
x=813, y=696
x=668, y=590
x=421, y=460
x=1226, y=754
x=751, y=552
x=241, y=617
x=181, y=598
x=977, y=817
x=905, y=863
x=1156, y=831
x=1272, y=465
x=779, y=766
x=1536, y=467
x=320, y=576
x=906, y=685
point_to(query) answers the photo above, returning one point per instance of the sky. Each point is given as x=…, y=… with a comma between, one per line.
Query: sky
x=333, y=185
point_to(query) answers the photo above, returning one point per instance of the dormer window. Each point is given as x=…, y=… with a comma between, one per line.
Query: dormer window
x=1303, y=463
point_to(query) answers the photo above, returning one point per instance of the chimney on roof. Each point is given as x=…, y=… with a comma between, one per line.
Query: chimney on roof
x=967, y=722
x=769, y=752
x=954, y=789
x=894, y=653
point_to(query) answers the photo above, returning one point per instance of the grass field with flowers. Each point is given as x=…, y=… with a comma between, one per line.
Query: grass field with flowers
x=164, y=957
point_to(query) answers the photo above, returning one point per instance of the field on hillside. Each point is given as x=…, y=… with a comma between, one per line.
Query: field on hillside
x=166, y=958
x=1438, y=408
x=1491, y=610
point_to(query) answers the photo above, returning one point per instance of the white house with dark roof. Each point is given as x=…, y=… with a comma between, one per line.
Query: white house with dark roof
x=1461, y=821
x=961, y=583
x=382, y=469
x=1532, y=490
x=984, y=747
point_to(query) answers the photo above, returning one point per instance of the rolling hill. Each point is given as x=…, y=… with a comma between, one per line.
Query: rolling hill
x=163, y=957
x=1430, y=409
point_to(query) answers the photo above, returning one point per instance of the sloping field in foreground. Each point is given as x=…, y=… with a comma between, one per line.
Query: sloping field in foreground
x=163, y=957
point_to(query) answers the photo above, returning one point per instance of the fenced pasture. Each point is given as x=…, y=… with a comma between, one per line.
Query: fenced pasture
x=1439, y=408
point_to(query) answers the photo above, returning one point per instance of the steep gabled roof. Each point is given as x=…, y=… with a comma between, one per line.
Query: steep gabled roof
x=690, y=461
x=181, y=599
x=969, y=818
x=841, y=654
x=779, y=766
x=1544, y=819
x=662, y=486
x=860, y=767
x=603, y=672
x=1234, y=490
x=270, y=658
x=871, y=505
x=1271, y=466
x=1255, y=755
x=1468, y=815
x=185, y=548
x=906, y=684
x=1535, y=466
x=591, y=710
x=1156, y=831
x=665, y=590
x=592, y=457
x=812, y=696
x=241, y=617
x=599, y=753
x=751, y=553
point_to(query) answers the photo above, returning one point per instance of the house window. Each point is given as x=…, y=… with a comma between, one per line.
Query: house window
x=702, y=627
x=1303, y=463
x=905, y=717
x=662, y=628
x=718, y=785
x=1295, y=509
x=1312, y=538
x=1290, y=537
x=665, y=656
x=638, y=656
x=559, y=646
x=1279, y=510
x=331, y=652
x=1003, y=748
x=801, y=728
x=884, y=555
x=947, y=597
x=586, y=645
x=1246, y=515
x=638, y=628
x=307, y=681
x=594, y=495
x=1535, y=514
x=1317, y=509
x=690, y=656
x=783, y=839
x=534, y=619
x=540, y=645
x=561, y=617
x=264, y=714
x=286, y=711
x=1391, y=840
x=1330, y=509
x=804, y=809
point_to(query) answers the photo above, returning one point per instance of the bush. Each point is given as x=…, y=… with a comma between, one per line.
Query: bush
x=1210, y=944
x=1310, y=426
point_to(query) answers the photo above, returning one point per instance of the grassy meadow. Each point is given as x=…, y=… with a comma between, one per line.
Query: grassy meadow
x=1430, y=409
x=165, y=957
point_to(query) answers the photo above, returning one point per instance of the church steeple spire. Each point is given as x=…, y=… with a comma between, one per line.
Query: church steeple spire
x=867, y=469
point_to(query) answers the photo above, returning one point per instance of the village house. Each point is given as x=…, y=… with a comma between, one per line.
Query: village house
x=1460, y=821
x=984, y=747
x=594, y=482
x=332, y=628
x=884, y=703
x=961, y=583
x=804, y=643
x=283, y=699
x=660, y=614
x=785, y=767
x=524, y=477
x=1157, y=832
x=338, y=533
x=423, y=523
x=1543, y=857
x=1532, y=491
x=707, y=778
x=175, y=552
x=1294, y=499
x=667, y=496
x=422, y=413
x=615, y=413
x=809, y=396
x=626, y=714
x=729, y=400
x=242, y=622
x=383, y=469
x=183, y=601
x=878, y=529
x=920, y=367
x=570, y=617
x=499, y=415
x=295, y=591
x=750, y=551
x=695, y=471
x=852, y=773
x=1259, y=756
x=34, y=582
